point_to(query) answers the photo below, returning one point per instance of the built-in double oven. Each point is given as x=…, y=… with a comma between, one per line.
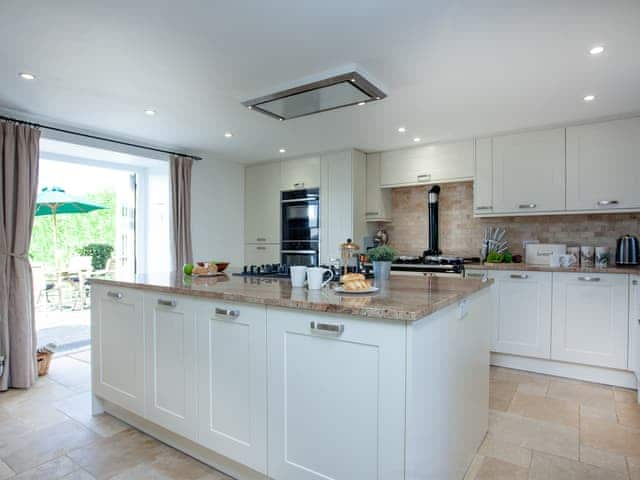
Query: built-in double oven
x=300, y=210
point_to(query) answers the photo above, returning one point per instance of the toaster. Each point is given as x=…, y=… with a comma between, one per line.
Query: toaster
x=627, y=250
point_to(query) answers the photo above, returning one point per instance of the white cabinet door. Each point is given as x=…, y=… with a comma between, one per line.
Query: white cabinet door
x=443, y=162
x=634, y=326
x=529, y=172
x=300, y=173
x=483, y=177
x=336, y=398
x=232, y=381
x=261, y=254
x=522, y=323
x=378, y=201
x=590, y=319
x=262, y=203
x=170, y=348
x=117, y=338
x=603, y=168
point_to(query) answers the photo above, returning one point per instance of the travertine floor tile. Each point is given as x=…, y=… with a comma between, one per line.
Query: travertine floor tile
x=35, y=448
x=503, y=389
x=609, y=436
x=534, y=434
x=539, y=389
x=549, y=467
x=628, y=414
x=588, y=394
x=111, y=456
x=624, y=395
x=71, y=373
x=507, y=452
x=554, y=410
x=608, y=414
x=499, y=404
x=83, y=356
x=53, y=470
x=79, y=475
x=78, y=407
x=494, y=469
x=603, y=459
x=634, y=467
x=172, y=465
x=474, y=468
x=5, y=471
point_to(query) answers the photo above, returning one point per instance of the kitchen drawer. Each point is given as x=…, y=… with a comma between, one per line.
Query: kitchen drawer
x=261, y=254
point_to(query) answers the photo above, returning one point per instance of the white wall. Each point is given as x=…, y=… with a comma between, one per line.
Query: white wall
x=217, y=211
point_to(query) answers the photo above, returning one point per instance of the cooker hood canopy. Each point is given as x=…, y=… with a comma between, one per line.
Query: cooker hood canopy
x=327, y=94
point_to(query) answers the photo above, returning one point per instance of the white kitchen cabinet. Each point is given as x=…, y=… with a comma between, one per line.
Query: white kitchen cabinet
x=442, y=162
x=342, y=202
x=590, y=319
x=603, y=168
x=378, y=200
x=117, y=339
x=529, y=172
x=336, y=398
x=262, y=203
x=171, y=394
x=300, y=173
x=634, y=326
x=483, y=177
x=261, y=254
x=232, y=369
x=522, y=322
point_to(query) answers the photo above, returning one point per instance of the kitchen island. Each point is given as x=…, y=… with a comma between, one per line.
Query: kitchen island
x=265, y=381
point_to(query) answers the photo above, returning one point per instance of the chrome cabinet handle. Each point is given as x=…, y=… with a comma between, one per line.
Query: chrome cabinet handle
x=424, y=178
x=527, y=205
x=261, y=239
x=116, y=295
x=300, y=252
x=167, y=303
x=519, y=276
x=227, y=312
x=589, y=279
x=604, y=203
x=327, y=327
x=261, y=248
x=372, y=213
x=484, y=207
x=299, y=185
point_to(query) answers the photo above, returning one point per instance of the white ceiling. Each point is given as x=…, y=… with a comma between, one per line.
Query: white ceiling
x=451, y=69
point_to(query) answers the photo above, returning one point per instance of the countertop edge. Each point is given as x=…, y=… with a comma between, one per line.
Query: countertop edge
x=630, y=270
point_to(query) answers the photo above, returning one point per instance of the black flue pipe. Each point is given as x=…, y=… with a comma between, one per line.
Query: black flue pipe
x=434, y=193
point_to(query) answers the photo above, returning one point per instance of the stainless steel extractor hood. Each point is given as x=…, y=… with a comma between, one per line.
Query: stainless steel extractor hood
x=327, y=94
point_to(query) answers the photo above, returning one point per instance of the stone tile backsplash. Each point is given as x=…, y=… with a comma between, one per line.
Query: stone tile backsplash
x=461, y=233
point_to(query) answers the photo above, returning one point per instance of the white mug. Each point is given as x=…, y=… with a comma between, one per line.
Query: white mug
x=554, y=260
x=315, y=277
x=298, y=276
x=567, y=261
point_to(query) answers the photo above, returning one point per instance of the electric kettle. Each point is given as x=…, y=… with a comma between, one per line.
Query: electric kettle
x=627, y=250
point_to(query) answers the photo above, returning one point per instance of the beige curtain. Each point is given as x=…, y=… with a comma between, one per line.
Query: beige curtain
x=19, y=154
x=180, y=168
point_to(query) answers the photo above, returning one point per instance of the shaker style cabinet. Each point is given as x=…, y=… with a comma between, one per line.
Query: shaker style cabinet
x=262, y=204
x=261, y=254
x=522, y=322
x=378, y=200
x=529, y=172
x=342, y=379
x=171, y=362
x=117, y=338
x=603, y=165
x=590, y=319
x=442, y=162
x=483, y=178
x=634, y=326
x=300, y=173
x=232, y=381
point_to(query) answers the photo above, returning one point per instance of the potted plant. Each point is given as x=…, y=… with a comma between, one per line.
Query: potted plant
x=381, y=257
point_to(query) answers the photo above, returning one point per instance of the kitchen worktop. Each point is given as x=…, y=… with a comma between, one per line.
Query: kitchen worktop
x=399, y=298
x=633, y=270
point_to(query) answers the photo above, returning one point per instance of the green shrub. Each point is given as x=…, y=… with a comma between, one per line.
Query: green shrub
x=383, y=253
x=99, y=253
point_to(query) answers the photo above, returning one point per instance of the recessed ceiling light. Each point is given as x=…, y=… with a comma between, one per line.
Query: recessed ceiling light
x=597, y=50
x=150, y=112
x=417, y=139
x=402, y=129
x=228, y=134
x=589, y=98
x=27, y=76
x=283, y=150
x=362, y=103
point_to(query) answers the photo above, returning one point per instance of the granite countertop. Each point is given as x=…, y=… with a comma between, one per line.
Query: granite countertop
x=400, y=298
x=633, y=270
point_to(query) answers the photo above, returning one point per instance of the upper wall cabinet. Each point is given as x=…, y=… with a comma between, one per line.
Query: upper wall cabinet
x=262, y=203
x=300, y=173
x=603, y=166
x=444, y=162
x=483, y=177
x=529, y=172
x=378, y=198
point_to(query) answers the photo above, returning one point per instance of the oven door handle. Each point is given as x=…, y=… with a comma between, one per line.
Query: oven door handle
x=303, y=200
x=300, y=252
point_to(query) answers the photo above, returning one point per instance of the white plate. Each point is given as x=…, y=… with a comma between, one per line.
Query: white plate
x=368, y=290
x=199, y=275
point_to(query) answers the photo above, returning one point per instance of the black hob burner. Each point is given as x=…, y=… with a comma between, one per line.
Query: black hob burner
x=274, y=270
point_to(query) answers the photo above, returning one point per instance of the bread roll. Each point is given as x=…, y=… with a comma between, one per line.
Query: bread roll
x=352, y=276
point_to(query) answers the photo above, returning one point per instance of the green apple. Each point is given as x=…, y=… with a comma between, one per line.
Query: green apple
x=188, y=268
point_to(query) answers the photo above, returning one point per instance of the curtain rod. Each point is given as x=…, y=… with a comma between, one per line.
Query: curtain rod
x=96, y=137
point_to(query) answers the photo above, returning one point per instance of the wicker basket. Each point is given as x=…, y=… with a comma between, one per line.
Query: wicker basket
x=44, y=360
